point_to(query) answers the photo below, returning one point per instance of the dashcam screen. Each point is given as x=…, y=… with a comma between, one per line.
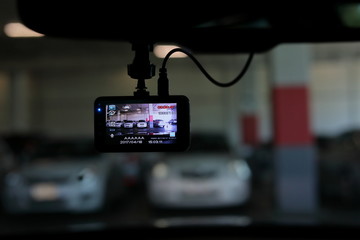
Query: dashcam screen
x=141, y=123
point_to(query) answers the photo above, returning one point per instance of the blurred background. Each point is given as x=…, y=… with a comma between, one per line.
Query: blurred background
x=285, y=139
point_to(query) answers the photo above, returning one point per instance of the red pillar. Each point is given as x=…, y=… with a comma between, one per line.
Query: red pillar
x=295, y=162
x=249, y=124
x=291, y=115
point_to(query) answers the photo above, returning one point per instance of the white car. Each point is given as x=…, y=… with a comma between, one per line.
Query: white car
x=118, y=124
x=198, y=178
x=64, y=176
x=159, y=123
x=141, y=124
x=128, y=124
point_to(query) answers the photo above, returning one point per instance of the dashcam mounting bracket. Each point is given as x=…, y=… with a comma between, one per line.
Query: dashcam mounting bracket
x=141, y=68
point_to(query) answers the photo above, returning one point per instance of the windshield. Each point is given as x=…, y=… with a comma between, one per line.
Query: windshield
x=289, y=128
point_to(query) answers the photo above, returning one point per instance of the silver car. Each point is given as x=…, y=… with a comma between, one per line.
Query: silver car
x=64, y=176
x=208, y=176
x=128, y=124
x=141, y=124
x=159, y=123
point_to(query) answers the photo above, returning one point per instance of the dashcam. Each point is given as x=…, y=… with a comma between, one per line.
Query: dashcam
x=142, y=124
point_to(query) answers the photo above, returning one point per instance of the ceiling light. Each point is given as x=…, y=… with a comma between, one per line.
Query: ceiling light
x=18, y=30
x=160, y=51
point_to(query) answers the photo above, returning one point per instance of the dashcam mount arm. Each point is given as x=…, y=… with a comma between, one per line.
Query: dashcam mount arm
x=141, y=68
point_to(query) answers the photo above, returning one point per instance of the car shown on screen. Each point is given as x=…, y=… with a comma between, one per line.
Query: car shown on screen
x=207, y=176
x=173, y=122
x=63, y=176
x=118, y=124
x=128, y=124
x=110, y=124
x=159, y=123
x=141, y=124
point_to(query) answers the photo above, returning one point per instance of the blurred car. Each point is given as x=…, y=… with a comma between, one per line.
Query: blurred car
x=7, y=160
x=128, y=124
x=159, y=123
x=141, y=124
x=118, y=124
x=207, y=176
x=7, y=156
x=63, y=176
x=173, y=122
x=339, y=170
x=110, y=123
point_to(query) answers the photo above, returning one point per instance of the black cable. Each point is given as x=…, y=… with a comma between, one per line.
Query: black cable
x=163, y=83
x=237, y=78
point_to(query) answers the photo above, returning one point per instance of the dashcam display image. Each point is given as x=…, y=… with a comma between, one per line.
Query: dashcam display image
x=145, y=123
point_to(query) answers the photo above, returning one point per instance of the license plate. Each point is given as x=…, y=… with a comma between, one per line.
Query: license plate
x=201, y=190
x=199, y=196
x=44, y=192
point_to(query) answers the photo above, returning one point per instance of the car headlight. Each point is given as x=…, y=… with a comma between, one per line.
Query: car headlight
x=240, y=168
x=160, y=170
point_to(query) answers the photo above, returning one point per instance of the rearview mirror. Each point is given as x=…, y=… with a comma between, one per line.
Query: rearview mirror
x=226, y=27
